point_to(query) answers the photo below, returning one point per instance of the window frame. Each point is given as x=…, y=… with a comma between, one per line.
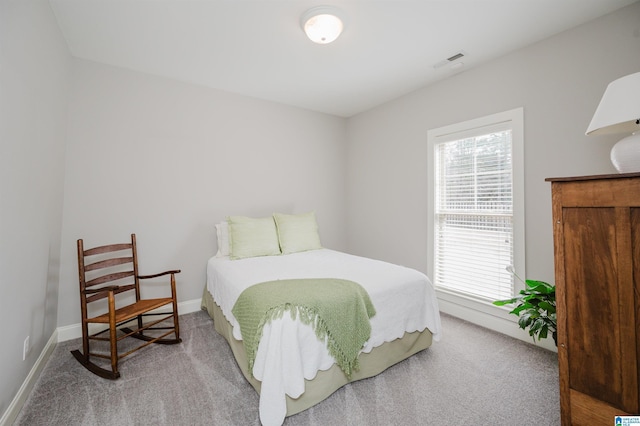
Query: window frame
x=515, y=120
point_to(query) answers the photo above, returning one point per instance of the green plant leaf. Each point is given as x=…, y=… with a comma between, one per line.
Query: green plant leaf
x=506, y=302
x=520, y=308
x=543, y=332
x=535, y=306
x=547, y=306
x=525, y=320
x=536, y=325
x=540, y=286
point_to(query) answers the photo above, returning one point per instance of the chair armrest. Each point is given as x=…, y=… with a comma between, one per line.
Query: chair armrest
x=175, y=271
x=101, y=289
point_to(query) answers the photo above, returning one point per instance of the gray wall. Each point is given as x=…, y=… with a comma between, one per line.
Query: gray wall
x=182, y=157
x=558, y=81
x=167, y=160
x=34, y=85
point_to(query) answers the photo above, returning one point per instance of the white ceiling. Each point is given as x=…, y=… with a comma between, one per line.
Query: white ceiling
x=257, y=48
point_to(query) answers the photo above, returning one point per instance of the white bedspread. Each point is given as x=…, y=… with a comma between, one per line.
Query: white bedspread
x=289, y=351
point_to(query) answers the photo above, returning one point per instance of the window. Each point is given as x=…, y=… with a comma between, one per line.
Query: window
x=477, y=207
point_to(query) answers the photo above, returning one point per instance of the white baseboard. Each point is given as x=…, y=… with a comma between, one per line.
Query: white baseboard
x=492, y=322
x=14, y=408
x=62, y=334
x=74, y=331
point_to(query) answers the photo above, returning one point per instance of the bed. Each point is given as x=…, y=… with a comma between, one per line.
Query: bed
x=293, y=369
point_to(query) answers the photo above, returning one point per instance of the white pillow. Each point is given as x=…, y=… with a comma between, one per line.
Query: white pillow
x=250, y=237
x=297, y=232
x=222, y=232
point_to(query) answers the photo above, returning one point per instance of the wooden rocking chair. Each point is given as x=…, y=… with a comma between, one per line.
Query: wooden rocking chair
x=110, y=271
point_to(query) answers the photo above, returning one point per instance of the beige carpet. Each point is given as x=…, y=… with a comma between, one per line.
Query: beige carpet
x=472, y=376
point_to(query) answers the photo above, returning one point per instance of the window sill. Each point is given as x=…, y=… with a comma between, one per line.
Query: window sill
x=487, y=315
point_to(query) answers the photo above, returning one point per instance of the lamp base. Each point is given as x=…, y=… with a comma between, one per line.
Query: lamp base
x=625, y=155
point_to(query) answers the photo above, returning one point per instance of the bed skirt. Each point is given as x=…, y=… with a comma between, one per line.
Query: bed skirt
x=328, y=381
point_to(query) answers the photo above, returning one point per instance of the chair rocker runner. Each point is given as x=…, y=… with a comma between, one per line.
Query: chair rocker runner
x=111, y=272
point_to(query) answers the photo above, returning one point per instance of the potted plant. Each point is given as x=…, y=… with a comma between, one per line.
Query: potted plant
x=536, y=307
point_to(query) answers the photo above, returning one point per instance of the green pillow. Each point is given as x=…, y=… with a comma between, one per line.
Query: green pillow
x=297, y=232
x=250, y=237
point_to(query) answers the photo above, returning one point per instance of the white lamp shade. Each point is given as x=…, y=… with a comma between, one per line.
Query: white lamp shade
x=322, y=24
x=619, y=108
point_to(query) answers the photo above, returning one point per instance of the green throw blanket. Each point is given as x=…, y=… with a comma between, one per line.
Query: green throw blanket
x=338, y=310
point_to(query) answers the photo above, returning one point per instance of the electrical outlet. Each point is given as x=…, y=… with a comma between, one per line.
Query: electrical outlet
x=25, y=348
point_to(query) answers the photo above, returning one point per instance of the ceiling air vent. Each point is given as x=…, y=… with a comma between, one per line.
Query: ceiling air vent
x=450, y=59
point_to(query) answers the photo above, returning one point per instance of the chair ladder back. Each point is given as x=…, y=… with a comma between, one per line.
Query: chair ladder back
x=108, y=263
x=100, y=279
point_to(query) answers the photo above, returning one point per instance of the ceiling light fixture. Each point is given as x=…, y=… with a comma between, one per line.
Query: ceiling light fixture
x=322, y=24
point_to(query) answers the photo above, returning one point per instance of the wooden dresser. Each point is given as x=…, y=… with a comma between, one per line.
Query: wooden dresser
x=596, y=228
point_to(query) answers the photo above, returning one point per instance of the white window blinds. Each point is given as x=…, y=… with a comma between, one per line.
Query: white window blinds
x=473, y=217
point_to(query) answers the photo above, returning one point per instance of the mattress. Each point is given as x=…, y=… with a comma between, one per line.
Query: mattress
x=289, y=354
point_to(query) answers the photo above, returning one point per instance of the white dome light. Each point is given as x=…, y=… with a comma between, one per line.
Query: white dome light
x=322, y=24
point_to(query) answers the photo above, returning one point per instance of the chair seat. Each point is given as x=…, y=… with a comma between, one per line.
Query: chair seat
x=133, y=310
